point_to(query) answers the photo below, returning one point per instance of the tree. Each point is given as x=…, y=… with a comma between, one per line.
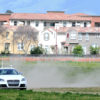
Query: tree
x=94, y=50
x=25, y=35
x=2, y=29
x=37, y=50
x=2, y=32
x=78, y=50
x=9, y=12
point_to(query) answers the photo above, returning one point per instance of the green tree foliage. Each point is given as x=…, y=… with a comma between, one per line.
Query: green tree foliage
x=36, y=50
x=94, y=50
x=78, y=50
x=9, y=12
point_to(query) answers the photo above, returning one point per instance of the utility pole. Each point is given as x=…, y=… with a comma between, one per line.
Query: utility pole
x=56, y=42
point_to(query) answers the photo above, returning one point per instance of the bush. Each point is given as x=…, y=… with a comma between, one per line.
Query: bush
x=78, y=50
x=5, y=52
x=36, y=50
x=94, y=50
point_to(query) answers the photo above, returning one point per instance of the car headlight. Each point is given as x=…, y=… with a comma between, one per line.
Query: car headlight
x=1, y=79
x=23, y=79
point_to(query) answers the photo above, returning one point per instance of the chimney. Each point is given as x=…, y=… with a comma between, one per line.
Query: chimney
x=55, y=12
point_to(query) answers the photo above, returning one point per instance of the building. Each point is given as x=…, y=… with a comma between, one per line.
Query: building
x=58, y=33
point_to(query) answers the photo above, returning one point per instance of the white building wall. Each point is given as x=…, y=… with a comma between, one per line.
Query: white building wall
x=69, y=24
x=40, y=26
x=11, y=22
x=82, y=24
x=88, y=24
x=50, y=42
x=60, y=39
x=32, y=24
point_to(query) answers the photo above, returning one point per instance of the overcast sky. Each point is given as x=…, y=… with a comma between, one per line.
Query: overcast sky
x=41, y=6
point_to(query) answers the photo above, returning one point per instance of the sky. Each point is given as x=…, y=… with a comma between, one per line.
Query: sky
x=91, y=7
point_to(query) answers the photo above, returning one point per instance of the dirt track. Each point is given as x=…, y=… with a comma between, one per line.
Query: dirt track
x=90, y=90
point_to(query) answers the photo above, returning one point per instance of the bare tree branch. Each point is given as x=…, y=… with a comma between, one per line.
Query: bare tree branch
x=25, y=35
x=2, y=29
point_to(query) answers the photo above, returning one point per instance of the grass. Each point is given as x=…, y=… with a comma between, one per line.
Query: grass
x=85, y=64
x=32, y=95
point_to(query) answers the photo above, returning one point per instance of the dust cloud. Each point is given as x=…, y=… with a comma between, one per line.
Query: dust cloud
x=50, y=75
x=56, y=75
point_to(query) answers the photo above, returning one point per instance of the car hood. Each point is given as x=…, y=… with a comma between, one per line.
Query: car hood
x=11, y=77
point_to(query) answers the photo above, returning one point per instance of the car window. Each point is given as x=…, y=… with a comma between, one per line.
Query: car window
x=8, y=72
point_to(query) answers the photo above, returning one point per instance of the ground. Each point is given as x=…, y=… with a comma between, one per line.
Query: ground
x=55, y=78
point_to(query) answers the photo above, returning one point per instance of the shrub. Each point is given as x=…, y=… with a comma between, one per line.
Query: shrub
x=94, y=50
x=78, y=50
x=5, y=52
x=37, y=50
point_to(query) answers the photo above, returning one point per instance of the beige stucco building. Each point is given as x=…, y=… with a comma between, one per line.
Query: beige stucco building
x=57, y=32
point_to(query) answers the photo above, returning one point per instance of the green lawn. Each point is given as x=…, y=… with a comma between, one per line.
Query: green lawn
x=32, y=95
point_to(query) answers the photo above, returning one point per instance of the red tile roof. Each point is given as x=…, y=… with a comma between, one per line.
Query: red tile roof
x=80, y=29
x=5, y=17
x=48, y=16
x=80, y=14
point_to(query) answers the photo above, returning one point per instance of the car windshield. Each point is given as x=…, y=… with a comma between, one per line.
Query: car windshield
x=8, y=72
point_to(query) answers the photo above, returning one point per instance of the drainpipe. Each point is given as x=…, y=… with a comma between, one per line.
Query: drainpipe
x=13, y=42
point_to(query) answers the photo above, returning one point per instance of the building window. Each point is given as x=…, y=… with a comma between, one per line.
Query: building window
x=20, y=46
x=15, y=23
x=64, y=24
x=45, y=23
x=52, y=24
x=97, y=24
x=7, y=45
x=36, y=23
x=98, y=35
x=73, y=24
x=87, y=36
x=46, y=36
x=79, y=36
x=1, y=23
x=85, y=24
x=7, y=34
x=73, y=36
x=28, y=22
x=94, y=45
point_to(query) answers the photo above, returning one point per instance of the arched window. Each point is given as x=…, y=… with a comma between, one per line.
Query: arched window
x=46, y=36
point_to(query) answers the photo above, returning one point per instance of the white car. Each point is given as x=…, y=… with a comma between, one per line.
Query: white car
x=10, y=78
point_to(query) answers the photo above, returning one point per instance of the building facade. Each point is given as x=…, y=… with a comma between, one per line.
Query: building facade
x=58, y=33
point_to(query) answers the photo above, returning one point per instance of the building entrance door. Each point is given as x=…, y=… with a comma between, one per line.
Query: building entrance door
x=84, y=50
